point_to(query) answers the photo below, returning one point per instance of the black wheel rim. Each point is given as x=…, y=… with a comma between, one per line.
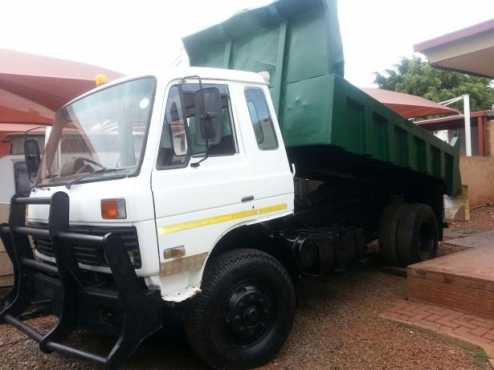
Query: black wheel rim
x=249, y=313
x=427, y=241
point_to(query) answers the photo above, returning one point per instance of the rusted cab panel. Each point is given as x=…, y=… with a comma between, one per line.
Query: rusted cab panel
x=298, y=42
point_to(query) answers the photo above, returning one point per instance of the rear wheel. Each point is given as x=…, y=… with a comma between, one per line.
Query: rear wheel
x=388, y=234
x=245, y=311
x=417, y=234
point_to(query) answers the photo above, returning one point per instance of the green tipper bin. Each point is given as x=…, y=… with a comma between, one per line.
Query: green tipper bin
x=298, y=42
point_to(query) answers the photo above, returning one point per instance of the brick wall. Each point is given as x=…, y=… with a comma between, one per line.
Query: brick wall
x=489, y=138
x=465, y=294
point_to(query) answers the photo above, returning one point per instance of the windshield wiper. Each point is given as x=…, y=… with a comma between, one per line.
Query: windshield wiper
x=86, y=175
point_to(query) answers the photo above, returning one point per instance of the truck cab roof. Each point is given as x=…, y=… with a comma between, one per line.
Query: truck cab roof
x=216, y=74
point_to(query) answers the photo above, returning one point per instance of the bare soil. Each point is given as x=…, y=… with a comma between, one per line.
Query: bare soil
x=481, y=219
x=337, y=327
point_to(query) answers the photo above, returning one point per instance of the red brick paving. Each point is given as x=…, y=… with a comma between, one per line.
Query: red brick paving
x=468, y=328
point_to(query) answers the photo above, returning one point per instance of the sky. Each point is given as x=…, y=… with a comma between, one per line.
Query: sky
x=143, y=36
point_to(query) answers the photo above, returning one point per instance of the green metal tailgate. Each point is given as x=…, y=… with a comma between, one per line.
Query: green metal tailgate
x=298, y=42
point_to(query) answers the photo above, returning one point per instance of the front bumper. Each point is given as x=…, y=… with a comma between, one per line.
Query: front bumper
x=122, y=304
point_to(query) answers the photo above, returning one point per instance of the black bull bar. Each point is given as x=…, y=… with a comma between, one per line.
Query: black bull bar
x=139, y=308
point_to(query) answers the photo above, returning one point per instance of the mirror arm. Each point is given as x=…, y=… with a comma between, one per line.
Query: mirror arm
x=198, y=164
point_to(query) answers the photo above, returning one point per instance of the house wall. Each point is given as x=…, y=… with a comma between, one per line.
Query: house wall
x=4, y=147
x=5, y=265
x=7, y=189
x=489, y=138
x=478, y=174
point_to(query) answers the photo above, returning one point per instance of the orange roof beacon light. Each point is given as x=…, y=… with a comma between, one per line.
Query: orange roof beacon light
x=101, y=79
x=113, y=209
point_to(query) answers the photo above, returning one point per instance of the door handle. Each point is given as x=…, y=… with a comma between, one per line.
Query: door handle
x=249, y=198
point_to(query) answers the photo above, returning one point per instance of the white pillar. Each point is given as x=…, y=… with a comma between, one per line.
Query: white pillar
x=468, y=131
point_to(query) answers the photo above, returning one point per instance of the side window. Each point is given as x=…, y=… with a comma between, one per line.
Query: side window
x=174, y=148
x=261, y=119
x=219, y=135
x=182, y=137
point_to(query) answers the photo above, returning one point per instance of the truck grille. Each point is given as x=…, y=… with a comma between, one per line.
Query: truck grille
x=94, y=255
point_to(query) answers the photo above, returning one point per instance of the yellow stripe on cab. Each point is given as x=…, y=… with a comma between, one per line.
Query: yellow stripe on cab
x=170, y=229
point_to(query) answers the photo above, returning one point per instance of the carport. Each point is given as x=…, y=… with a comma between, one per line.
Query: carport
x=470, y=50
x=409, y=106
x=32, y=88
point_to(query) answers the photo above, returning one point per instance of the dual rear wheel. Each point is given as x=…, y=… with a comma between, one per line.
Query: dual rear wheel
x=409, y=233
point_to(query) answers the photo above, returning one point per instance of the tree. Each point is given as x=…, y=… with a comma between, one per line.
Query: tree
x=417, y=77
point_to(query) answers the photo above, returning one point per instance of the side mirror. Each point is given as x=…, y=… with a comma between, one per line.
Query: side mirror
x=32, y=154
x=209, y=106
x=23, y=183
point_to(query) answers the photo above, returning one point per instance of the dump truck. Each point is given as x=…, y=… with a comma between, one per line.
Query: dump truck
x=202, y=195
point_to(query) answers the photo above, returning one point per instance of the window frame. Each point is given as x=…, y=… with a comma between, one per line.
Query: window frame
x=189, y=156
x=168, y=127
x=275, y=132
x=137, y=172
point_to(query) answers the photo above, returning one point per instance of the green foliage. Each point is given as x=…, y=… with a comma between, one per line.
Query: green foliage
x=416, y=77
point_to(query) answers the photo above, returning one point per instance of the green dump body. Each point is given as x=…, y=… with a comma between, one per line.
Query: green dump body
x=321, y=114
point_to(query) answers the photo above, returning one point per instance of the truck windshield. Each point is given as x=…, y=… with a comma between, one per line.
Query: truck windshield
x=100, y=136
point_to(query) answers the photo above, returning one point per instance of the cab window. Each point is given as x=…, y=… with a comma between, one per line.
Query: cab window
x=182, y=137
x=261, y=119
x=174, y=149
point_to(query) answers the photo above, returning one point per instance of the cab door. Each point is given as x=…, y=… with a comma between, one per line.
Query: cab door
x=197, y=196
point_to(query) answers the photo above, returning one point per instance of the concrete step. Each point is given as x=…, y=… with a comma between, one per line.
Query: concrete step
x=462, y=281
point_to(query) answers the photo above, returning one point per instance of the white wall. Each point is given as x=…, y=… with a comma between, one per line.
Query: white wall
x=7, y=184
x=7, y=190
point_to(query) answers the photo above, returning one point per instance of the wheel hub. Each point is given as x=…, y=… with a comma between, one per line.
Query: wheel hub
x=248, y=314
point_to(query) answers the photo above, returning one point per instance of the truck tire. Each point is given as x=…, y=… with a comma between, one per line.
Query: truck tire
x=388, y=234
x=245, y=311
x=418, y=234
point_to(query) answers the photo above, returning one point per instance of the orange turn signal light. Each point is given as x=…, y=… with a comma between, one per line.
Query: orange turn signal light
x=113, y=209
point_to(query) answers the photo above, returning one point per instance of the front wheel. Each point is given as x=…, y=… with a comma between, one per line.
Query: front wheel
x=245, y=310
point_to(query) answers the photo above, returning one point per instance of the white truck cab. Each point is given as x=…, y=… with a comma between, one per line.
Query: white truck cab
x=151, y=165
x=156, y=193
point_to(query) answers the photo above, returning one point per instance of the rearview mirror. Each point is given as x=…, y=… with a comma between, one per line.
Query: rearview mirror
x=209, y=108
x=32, y=154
